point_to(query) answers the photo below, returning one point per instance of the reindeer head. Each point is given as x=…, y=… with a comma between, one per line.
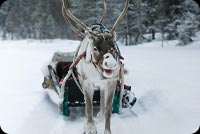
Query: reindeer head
x=101, y=42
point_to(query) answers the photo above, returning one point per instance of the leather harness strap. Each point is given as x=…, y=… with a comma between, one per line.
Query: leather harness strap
x=79, y=58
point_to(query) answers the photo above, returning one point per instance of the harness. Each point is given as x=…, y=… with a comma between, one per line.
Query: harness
x=98, y=28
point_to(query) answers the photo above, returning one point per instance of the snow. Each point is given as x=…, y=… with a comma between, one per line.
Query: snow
x=165, y=80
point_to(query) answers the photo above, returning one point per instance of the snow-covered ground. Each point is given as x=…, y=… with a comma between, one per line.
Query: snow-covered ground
x=165, y=80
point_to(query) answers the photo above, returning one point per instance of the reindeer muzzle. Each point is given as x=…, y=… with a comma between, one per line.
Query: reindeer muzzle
x=109, y=65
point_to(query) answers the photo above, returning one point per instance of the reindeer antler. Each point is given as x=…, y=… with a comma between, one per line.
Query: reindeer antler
x=65, y=10
x=70, y=24
x=77, y=21
x=104, y=11
x=120, y=17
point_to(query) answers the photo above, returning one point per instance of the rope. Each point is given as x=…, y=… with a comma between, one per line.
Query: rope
x=70, y=72
x=64, y=81
x=77, y=83
x=74, y=63
x=122, y=84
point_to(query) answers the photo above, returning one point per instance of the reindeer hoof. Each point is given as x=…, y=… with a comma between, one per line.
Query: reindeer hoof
x=90, y=128
x=107, y=132
x=90, y=133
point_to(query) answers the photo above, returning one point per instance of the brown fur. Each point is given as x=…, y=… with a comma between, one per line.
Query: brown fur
x=48, y=83
x=103, y=46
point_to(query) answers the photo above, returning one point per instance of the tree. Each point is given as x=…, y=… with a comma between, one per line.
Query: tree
x=51, y=27
x=135, y=22
x=11, y=23
x=43, y=19
x=4, y=11
x=188, y=23
x=150, y=17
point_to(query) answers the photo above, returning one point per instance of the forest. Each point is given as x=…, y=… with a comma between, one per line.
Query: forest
x=33, y=19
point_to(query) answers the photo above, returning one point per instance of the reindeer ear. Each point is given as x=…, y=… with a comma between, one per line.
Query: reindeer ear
x=89, y=50
x=88, y=35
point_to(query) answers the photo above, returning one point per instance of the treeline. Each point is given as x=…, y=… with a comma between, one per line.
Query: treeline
x=42, y=19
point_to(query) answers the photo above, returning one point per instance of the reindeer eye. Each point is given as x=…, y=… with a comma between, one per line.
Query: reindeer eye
x=95, y=49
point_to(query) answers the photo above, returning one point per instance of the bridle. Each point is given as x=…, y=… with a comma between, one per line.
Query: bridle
x=110, y=46
x=95, y=30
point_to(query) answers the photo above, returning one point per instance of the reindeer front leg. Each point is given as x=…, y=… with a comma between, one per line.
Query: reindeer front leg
x=100, y=115
x=89, y=127
x=108, y=110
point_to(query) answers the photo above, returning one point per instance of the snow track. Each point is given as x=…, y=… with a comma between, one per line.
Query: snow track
x=165, y=81
x=126, y=120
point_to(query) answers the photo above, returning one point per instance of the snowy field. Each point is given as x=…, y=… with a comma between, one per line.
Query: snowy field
x=165, y=80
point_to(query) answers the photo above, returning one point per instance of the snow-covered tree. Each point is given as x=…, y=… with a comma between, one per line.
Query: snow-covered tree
x=150, y=17
x=4, y=11
x=188, y=23
x=51, y=27
x=11, y=22
x=43, y=19
x=135, y=22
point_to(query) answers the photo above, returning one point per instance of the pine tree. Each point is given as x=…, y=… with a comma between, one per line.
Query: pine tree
x=135, y=22
x=151, y=15
x=4, y=11
x=188, y=23
x=43, y=19
x=51, y=27
x=11, y=22
x=39, y=18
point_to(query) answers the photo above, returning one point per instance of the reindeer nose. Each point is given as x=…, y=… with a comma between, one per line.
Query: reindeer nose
x=106, y=56
x=106, y=64
x=109, y=61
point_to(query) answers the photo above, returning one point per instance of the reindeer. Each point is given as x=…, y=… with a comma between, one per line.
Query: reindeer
x=97, y=64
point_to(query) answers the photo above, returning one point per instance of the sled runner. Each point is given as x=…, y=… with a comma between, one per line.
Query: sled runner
x=58, y=68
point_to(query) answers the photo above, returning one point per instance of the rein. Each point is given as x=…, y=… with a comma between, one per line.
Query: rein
x=99, y=28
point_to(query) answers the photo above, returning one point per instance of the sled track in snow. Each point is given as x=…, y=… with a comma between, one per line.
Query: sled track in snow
x=129, y=119
x=120, y=123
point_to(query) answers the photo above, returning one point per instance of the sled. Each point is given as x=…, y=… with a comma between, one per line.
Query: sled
x=73, y=96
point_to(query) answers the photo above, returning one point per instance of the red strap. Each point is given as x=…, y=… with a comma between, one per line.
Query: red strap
x=79, y=58
x=66, y=66
x=125, y=86
x=121, y=58
x=61, y=80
